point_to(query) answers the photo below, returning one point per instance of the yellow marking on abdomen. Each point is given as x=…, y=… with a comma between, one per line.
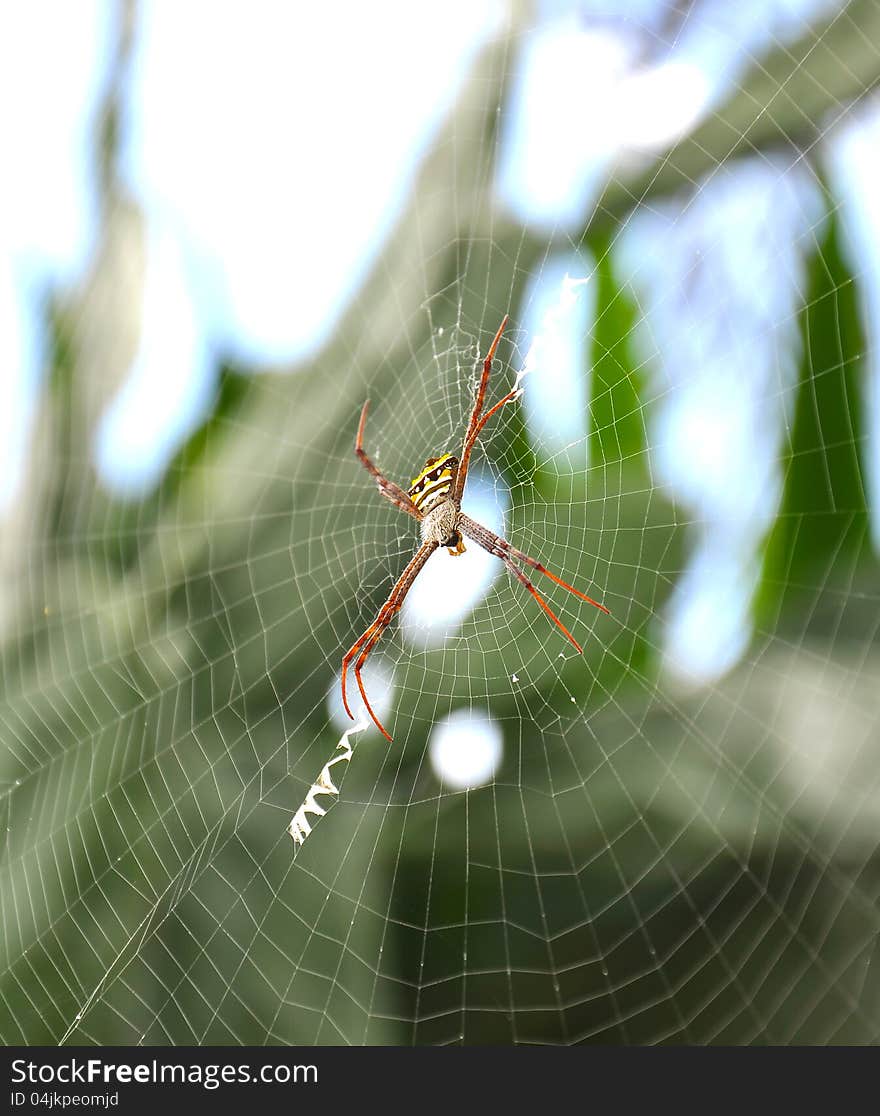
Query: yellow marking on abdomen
x=434, y=482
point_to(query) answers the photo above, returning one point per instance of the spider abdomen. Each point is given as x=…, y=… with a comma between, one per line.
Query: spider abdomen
x=434, y=483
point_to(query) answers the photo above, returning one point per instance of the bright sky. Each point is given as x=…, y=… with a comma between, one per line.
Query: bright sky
x=46, y=219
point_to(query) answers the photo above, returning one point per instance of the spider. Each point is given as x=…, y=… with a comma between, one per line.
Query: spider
x=434, y=499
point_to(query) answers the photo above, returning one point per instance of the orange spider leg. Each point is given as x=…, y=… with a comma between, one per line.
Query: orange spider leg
x=349, y=655
x=362, y=658
x=583, y=596
x=509, y=398
x=373, y=634
x=521, y=577
x=365, y=645
x=388, y=488
x=502, y=549
x=474, y=425
x=484, y=379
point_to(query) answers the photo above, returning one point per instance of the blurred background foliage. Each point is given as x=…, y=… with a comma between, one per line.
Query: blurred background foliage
x=658, y=858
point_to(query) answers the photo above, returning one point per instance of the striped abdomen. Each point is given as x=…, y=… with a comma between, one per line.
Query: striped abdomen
x=434, y=482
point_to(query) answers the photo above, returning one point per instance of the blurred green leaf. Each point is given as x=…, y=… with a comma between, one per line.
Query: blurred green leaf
x=821, y=533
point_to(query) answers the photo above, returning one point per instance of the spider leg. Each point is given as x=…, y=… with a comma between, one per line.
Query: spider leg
x=474, y=425
x=346, y=660
x=388, y=488
x=509, y=398
x=521, y=577
x=501, y=548
x=365, y=644
x=484, y=379
x=362, y=658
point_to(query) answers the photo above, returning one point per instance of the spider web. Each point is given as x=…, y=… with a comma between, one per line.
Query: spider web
x=678, y=841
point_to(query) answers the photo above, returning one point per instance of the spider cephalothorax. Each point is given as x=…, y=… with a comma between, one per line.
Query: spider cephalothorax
x=434, y=498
